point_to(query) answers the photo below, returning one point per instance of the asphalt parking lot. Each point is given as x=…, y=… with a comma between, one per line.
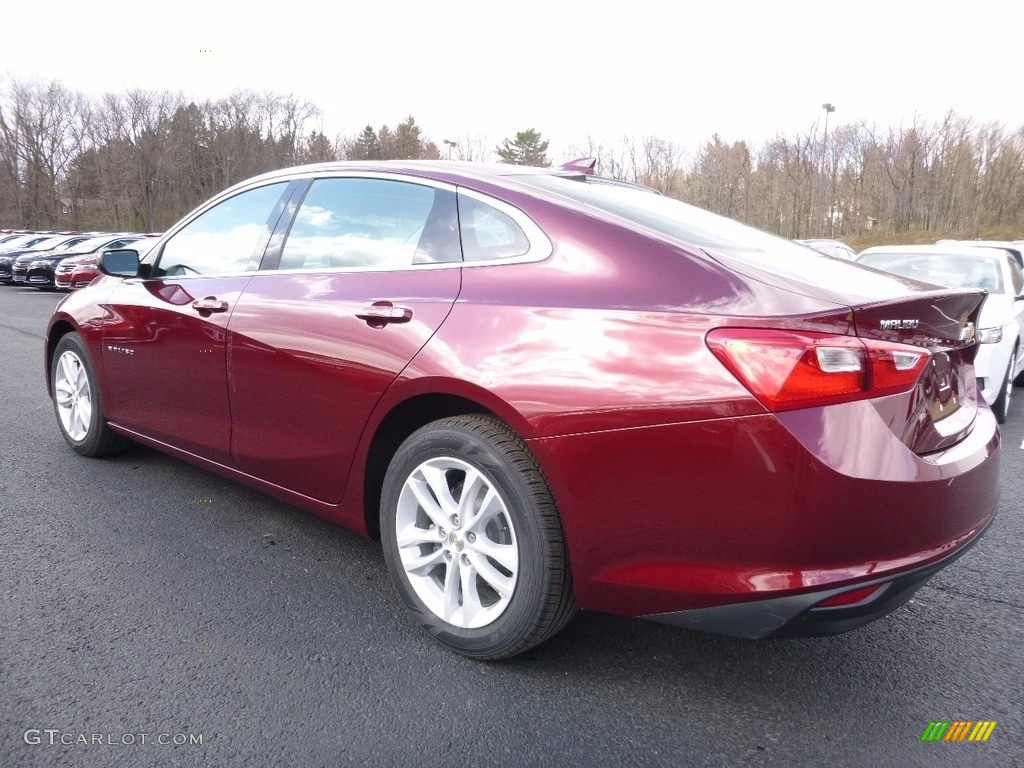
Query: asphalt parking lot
x=186, y=620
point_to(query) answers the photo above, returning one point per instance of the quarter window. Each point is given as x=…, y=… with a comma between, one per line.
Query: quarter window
x=372, y=223
x=488, y=233
x=227, y=237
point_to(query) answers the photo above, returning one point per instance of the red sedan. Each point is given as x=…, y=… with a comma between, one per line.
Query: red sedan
x=78, y=271
x=544, y=390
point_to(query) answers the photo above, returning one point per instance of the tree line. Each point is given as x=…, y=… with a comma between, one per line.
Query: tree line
x=860, y=183
x=139, y=160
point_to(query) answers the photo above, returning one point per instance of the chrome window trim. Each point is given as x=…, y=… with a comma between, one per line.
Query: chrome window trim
x=540, y=246
x=156, y=249
x=539, y=250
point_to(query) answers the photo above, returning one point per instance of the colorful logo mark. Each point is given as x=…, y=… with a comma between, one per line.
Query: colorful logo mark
x=958, y=730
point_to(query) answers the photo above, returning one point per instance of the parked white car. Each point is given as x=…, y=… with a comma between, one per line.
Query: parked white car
x=1000, y=359
x=1016, y=247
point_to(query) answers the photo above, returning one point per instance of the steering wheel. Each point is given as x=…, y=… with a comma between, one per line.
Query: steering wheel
x=179, y=270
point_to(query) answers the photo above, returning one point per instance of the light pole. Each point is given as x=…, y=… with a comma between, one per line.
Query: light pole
x=829, y=108
x=450, y=145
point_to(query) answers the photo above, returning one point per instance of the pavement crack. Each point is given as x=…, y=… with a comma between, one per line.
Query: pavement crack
x=983, y=598
x=22, y=331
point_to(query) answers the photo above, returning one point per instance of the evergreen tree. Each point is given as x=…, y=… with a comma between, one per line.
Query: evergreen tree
x=406, y=143
x=367, y=146
x=526, y=149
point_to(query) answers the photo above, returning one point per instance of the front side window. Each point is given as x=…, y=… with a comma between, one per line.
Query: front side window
x=360, y=223
x=225, y=238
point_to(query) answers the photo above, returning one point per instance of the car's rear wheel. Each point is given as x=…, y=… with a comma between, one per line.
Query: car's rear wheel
x=1001, y=406
x=473, y=540
x=76, y=400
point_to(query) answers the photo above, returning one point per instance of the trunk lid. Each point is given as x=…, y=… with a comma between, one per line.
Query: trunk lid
x=940, y=410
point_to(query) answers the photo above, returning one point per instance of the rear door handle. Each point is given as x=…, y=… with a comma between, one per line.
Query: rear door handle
x=381, y=312
x=210, y=304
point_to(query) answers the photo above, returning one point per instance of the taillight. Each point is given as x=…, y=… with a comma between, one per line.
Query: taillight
x=851, y=597
x=790, y=369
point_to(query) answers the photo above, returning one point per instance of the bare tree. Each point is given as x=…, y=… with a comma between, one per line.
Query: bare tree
x=141, y=159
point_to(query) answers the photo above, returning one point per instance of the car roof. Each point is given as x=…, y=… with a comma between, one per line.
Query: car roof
x=493, y=172
x=465, y=167
x=449, y=171
x=986, y=243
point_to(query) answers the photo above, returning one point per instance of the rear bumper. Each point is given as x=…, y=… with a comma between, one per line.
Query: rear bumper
x=802, y=615
x=728, y=513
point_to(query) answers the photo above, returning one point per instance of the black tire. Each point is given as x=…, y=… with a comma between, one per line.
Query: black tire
x=1001, y=405
x=94, y=437
x=541, y=602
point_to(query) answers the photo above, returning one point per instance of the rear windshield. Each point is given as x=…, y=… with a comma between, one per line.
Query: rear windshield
x=939, y=269
x=727, y=240
x=91, y=244
x=671, y=217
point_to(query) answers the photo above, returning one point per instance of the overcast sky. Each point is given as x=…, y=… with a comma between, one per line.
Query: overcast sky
x=677, y=70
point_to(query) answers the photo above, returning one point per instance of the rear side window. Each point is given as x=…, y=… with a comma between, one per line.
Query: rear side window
x=489, y=234
x=372, y=224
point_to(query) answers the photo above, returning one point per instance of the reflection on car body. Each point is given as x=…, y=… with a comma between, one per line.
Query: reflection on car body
x=544, y=391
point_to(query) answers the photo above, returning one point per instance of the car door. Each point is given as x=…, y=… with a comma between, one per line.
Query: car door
x=367, y=273
x=1016, y=290
x=165, y=335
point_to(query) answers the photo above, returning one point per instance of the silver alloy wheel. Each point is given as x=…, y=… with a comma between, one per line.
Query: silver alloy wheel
x=73, y=395
x=456, y=542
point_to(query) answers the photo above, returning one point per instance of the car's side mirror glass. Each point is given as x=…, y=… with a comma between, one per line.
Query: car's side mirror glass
x=120, y=263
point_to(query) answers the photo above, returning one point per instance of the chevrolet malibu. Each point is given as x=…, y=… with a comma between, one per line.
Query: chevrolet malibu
x=546, y=391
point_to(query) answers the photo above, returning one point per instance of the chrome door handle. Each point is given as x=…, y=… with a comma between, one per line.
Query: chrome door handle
x=381, y=312
x=210, y=304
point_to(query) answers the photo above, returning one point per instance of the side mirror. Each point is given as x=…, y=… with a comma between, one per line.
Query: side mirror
x=120, y=263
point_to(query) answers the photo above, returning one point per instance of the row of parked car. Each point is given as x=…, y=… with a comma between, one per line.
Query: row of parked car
x=60, y=260
x=994, y=265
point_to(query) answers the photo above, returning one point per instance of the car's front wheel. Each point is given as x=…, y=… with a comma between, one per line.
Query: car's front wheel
x=473, y=539
x=76, y=400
